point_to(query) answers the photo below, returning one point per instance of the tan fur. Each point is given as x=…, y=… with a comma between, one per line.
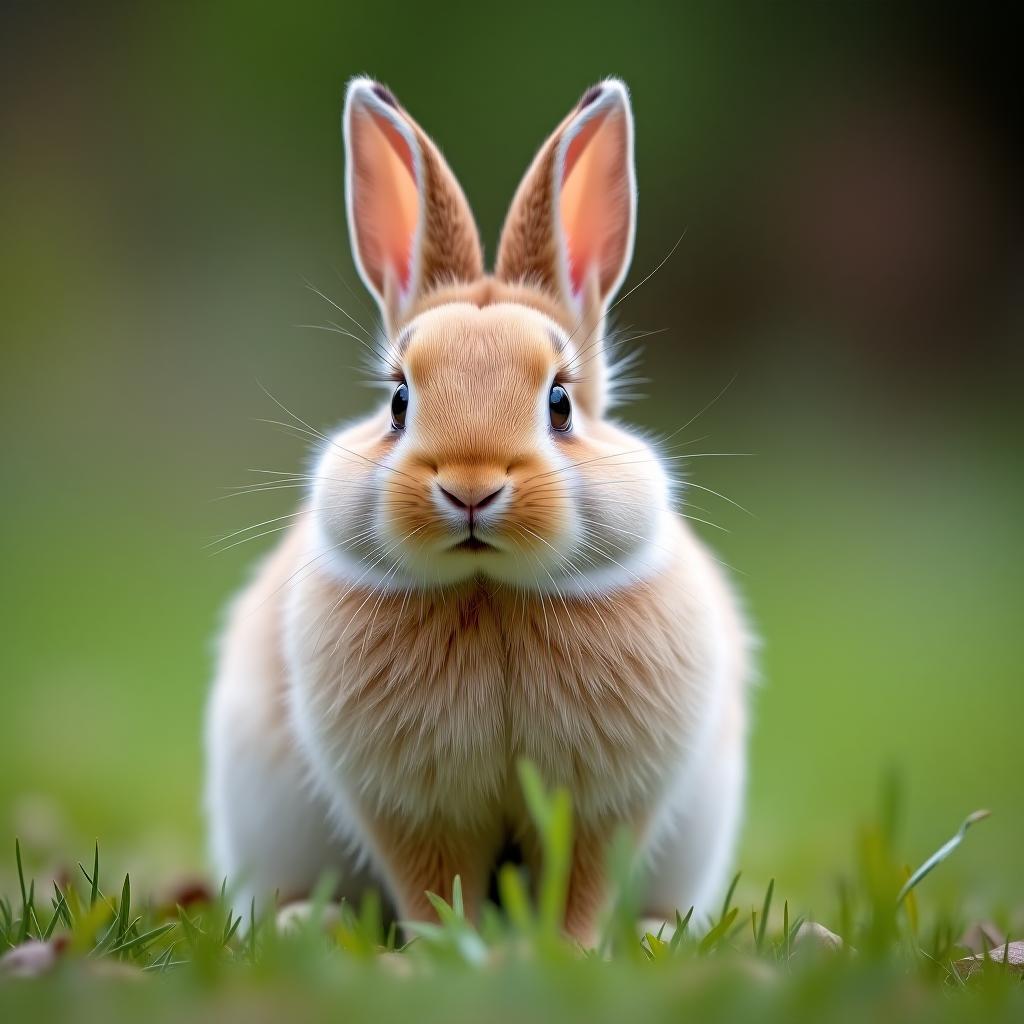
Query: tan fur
x=527, y=251
x=428, y=701
x=401, y=676
x=451, y=245
x=490, y=291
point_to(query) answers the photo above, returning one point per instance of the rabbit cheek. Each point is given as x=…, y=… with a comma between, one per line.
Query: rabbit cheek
x=543, y=517
x=405, y=512
x=343, y=502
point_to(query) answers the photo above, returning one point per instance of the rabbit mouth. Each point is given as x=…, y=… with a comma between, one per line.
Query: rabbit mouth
x=472, y=543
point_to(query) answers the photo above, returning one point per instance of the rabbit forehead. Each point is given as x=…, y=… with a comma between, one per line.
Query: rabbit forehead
x=460, y=349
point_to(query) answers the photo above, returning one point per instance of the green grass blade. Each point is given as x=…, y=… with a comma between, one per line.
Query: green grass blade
x=443, y=910
x=95, y=883
x=552, y=817
x=514, y=897
x=533, y=793
x=371, y=918
x=163, y=962
x=759, y=934
x=657, y=948
x=21, y=879
x=252, y=930
x=124, y=909
x=719, y=932
x=60, y=913
x=940, y=854
x=230, y=927
x=144, y=939
x=729, y=895
x=61, y=906
x=682, y=923
x=27, y=898
x=32, y=919
x=557, y=865
x=193, y=936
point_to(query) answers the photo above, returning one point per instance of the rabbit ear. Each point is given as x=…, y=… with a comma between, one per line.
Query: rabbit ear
x=410, y=226
x=574, y=215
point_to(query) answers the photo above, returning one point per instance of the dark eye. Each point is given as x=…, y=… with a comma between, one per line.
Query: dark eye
x=560, y=408
x=399, y=406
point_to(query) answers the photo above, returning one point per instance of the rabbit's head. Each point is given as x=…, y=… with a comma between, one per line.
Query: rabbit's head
x=492, y=456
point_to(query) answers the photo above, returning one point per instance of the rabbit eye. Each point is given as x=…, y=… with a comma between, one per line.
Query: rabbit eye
x=399, y=406
x=559, y=408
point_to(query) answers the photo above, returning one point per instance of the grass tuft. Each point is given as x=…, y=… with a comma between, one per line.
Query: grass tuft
x=893, y=950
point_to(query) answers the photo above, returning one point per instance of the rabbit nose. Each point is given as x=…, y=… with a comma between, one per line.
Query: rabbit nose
x=470, y=499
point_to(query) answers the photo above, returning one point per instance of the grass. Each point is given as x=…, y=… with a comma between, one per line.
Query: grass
x=117, y=955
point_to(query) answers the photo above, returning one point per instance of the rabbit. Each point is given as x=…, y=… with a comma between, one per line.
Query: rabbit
x=487, y=568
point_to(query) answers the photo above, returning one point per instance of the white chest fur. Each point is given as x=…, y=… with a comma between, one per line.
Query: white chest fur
x=419, y=705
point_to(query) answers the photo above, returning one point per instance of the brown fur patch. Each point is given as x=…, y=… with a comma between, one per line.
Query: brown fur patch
x=527, y=252
x=450, y=245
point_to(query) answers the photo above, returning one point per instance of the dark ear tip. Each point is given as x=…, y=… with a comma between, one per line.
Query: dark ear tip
x=385, y=95
x=589, y=96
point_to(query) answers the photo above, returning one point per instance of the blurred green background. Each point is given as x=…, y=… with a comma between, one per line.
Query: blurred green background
x=846, y=182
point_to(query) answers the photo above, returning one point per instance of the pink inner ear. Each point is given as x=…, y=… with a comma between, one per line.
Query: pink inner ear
x=385, y=198
x=595, y=200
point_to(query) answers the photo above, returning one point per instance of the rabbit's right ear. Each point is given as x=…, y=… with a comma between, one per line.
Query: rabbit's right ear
x=409, y=223
x=571, y=224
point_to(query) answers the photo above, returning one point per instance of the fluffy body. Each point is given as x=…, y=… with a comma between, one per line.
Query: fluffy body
x=385, y=671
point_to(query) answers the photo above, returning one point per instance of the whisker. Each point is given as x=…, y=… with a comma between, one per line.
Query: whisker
x=355, y=295
x=344, y=312
x=641, y=283
x=255, y=526
x=352, y=618
x=380, y=355
x=238, y=492
x=328, y=440
x=622, y=298
x=718, y=494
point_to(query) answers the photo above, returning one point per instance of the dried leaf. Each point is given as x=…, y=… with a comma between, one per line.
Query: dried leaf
x=1010, y=954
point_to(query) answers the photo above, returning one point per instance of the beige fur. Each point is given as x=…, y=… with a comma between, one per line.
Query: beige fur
x=376, y=688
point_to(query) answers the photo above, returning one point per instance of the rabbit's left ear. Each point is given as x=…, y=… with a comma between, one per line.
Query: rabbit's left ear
x=570, y=227
x=410, y=225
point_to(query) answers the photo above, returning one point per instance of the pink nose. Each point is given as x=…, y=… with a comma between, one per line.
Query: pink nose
x=467, y=500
